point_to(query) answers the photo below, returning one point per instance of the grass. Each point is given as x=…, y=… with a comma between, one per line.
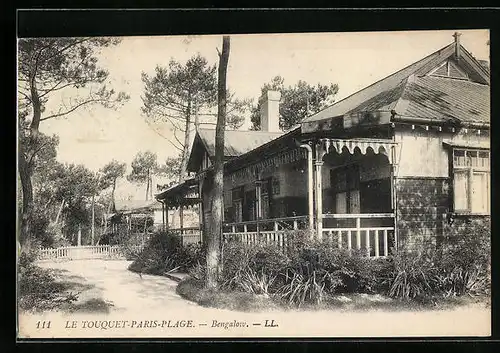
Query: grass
x=193, y=290
x=93, y=305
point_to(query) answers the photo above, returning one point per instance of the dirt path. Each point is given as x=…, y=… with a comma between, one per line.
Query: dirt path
x=149, y=307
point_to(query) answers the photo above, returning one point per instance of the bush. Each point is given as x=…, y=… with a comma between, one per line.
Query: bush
x=37, y=287
x=306, y=271
x=461, y=265
x=412, y=276
x=465, y=260
x=165, y=252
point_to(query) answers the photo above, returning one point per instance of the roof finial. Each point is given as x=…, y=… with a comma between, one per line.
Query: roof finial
x=457, y=35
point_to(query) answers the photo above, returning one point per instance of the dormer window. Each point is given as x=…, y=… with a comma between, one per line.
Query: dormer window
x=451, y=70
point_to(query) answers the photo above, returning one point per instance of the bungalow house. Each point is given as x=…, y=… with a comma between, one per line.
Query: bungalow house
x=394, y=161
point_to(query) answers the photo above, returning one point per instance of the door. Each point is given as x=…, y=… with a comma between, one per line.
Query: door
x=249, y=204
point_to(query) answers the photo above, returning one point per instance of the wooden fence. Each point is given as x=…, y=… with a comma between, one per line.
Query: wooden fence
x=84, y=252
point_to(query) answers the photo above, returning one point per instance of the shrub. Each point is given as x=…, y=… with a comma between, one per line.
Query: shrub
x=307, y=271
x=236, y=258
x=465, y=259
x=412, y=276
x=37, y=287
x=165, y=252
x=460, y=265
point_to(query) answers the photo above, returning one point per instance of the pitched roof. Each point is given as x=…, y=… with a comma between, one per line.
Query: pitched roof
x=236, y=142
x=411, y=92
x=136, y=205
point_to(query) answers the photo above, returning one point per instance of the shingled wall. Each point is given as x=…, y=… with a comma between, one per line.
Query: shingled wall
x=422, y=204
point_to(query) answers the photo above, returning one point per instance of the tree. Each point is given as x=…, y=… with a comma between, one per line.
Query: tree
x=215, y=236
x=144, y=166
x=110, y=174
x=55, y=69
x=297, y=102
x=171, y=168
x=69, y=190
x=180, y=95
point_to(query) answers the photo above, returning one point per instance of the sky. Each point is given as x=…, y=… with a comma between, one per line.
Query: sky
x=352, y=60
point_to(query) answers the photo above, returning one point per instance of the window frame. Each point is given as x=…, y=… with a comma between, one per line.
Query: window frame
x=469, y=165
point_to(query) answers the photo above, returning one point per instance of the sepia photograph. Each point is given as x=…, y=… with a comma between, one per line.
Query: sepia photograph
x=254, y=185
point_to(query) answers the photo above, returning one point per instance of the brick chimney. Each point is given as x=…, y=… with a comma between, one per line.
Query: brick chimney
x=457, y=44
x=270, y=111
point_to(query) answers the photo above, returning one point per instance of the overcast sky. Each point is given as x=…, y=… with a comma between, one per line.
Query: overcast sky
x=352, y=60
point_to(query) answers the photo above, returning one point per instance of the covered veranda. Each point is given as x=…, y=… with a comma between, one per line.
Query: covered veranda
x=180, y=197
x=332, y=213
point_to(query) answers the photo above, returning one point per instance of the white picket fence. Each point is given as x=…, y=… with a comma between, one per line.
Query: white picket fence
x=83, y=252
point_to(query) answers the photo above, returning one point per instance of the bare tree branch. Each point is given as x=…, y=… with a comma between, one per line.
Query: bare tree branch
x=95, y=100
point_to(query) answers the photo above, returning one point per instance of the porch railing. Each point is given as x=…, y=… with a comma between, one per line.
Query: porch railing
x=371, y=232
x=266, y=231
x=189, y=235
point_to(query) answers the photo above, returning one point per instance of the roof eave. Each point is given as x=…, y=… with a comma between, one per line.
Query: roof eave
x=397, y=118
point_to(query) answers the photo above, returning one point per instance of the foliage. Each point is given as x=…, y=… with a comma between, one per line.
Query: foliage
x=465, y=260
x=165, y=252
x=38, y=289
x=194, y=290
x=171, y=168
x=56, y=77
x=461, y=265
x=110, y=173
x=143, y=165
x=297, y=102
x=61, y=64
x=308, y=271
x=183, y=94
x=65, y=189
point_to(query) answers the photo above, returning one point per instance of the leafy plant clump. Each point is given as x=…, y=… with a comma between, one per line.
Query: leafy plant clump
x=165, y=253
x=460, y=266
x=305, y=272
x=38, y=289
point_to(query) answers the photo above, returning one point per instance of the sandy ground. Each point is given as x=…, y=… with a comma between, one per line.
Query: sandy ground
x=149, y=307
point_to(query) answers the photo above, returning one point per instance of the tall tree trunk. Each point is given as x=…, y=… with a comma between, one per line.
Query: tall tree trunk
x=92, y=234
x=25, y=165
x=187, y=139
x=215, y=237
x=59, y=212
x=112, y=203
x=147, y=186
x=27, y=209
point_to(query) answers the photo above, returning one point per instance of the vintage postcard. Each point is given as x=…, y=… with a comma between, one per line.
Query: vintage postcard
x=350, y=196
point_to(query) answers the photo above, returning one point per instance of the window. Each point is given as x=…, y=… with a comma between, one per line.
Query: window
x=345, y=187
x=471, y=181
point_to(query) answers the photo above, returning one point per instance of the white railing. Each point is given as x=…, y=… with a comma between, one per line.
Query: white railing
x=265, y=231
x=350, y=231
x=189, y=235
x=373, y=232
x=83, y=252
